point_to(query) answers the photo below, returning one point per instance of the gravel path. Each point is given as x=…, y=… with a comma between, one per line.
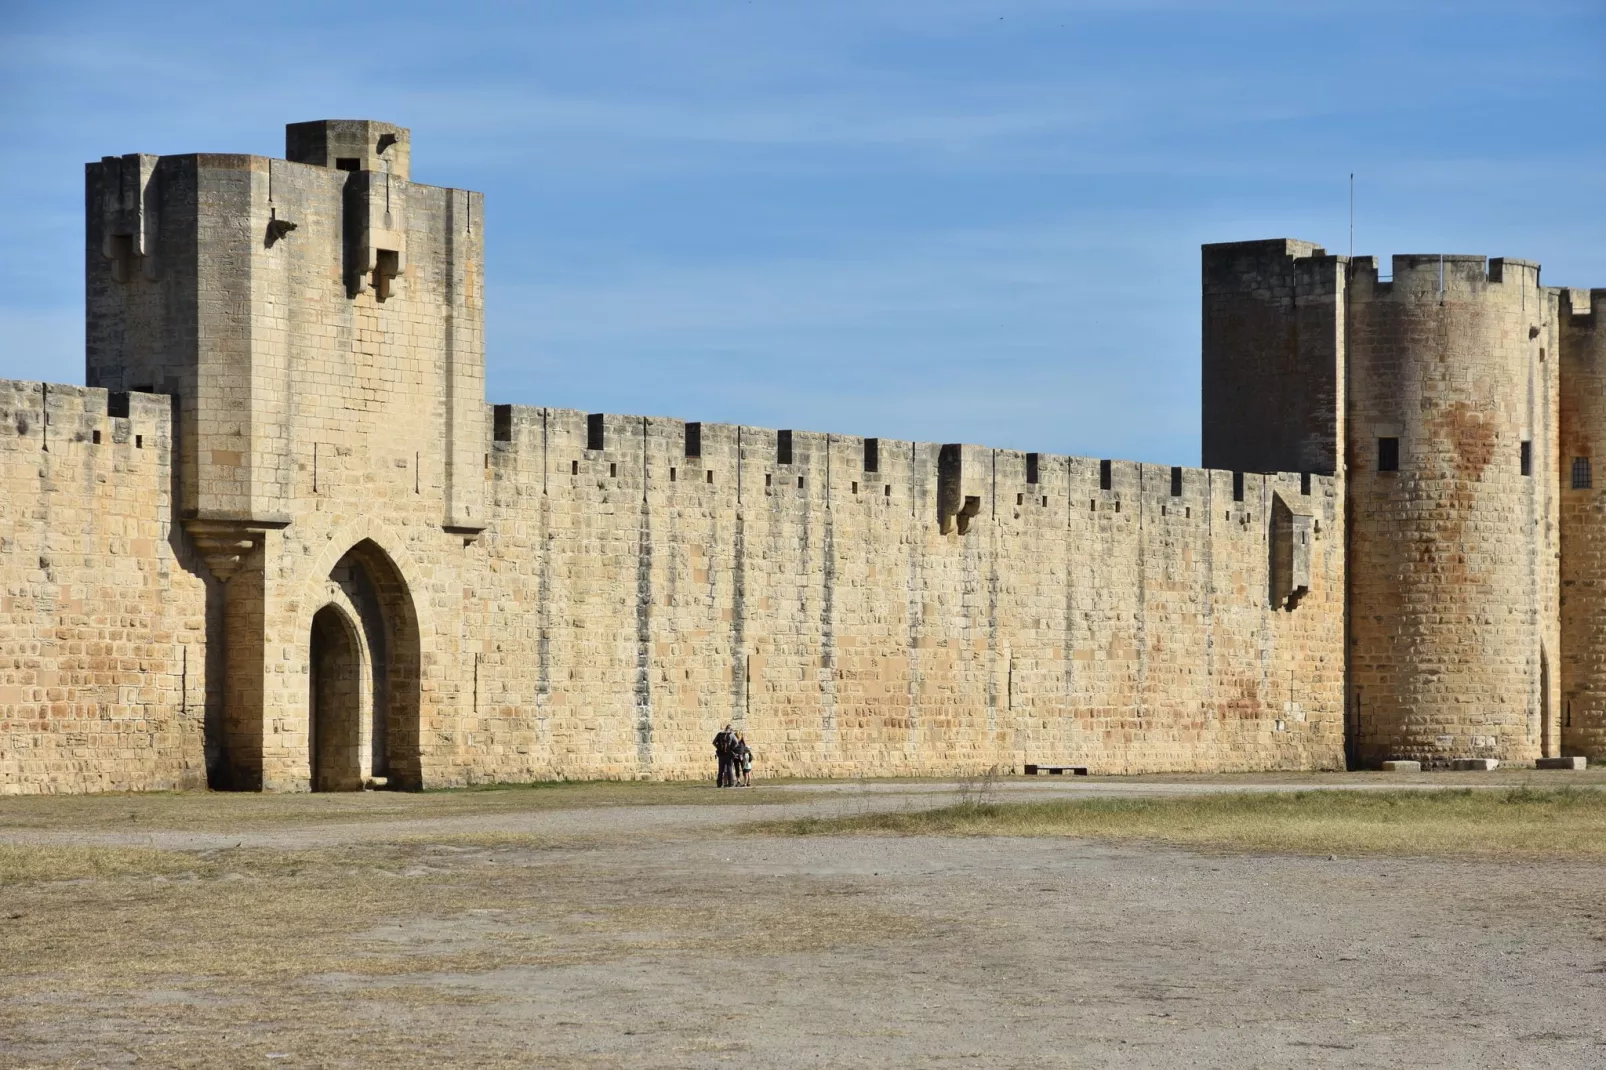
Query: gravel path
x=658, y=936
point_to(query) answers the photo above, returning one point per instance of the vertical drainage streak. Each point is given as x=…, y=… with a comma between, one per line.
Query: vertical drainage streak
x=738, y=598
x=644, y=618
x=543, y=606
x=827, y=667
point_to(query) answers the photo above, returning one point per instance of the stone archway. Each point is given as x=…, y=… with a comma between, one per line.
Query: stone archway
x=335, y=701
x=366, y=588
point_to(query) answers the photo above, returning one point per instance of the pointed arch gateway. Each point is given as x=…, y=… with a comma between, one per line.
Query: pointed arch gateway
x=363, y=700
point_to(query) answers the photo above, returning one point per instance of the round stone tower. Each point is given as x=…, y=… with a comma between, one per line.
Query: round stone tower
x=1583, y=523
x=1451, y=453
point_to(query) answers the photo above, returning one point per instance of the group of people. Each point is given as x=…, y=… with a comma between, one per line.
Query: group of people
x=735, y=759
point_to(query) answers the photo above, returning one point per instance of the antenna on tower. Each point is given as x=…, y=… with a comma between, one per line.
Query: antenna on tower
x=1352, y=215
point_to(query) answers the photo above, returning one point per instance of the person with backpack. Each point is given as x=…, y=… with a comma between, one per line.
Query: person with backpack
x=742, y=761
x=724, y=745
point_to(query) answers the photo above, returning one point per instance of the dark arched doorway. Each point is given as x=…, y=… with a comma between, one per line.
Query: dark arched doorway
x=382, y=708
x=335, y=699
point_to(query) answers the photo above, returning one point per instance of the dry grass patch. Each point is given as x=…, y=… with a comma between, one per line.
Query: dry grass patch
x=1514, y=822
x=204, y=811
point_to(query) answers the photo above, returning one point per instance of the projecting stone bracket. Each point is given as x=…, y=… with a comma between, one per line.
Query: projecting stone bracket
x=962, y=480
x=128, y=215
x=469, y=533
x=1291, y=538
x=376, y=232
x=229, y=545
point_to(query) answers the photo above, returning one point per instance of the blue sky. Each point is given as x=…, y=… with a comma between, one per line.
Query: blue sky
x=935, y=219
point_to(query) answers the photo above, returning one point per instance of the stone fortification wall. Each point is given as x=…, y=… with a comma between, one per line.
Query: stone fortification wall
x=1583, y=522
x=1452, y=569
x=103, y=614
x=646, y=582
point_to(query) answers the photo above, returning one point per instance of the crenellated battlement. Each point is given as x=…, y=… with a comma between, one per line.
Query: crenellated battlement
x=56, y=416
x=1447, y=276
x=609, y=458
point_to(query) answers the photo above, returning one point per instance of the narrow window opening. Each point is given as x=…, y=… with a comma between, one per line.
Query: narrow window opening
x=487, y=460
x=1045, y=501
x=1304, y=483
x=1020, y=499
x=95, y=437
x=1541, y=354
x=502, y=423
x=671, y=475
x=1118, y=505
x=1104, y=475
x=886, y=491
x=783, y=447
x=1187, y=512
x=574, y=468
x=694, y=440
x=1092, y=505
x=769, y=480
x=872, y=455
x=1527, y=458
x=1388, y=455
x=710, y=475
x=1031, y=468
x=594, y=431
x=348, y=163
x=1237, y=486
x=613, y=471
x=1582, y=479
x=799, y=482
x=139, y=443
x=1162, y=510
x=1176, y=481
x=855, y=486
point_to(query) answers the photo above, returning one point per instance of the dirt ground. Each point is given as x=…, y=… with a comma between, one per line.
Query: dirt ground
x=648, y=926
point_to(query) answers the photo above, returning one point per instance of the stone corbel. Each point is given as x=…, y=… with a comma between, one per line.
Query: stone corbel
x=227, y=546
x=128, y=214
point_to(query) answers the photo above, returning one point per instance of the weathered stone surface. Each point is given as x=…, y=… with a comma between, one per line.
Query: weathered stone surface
x=1401, y=765
x=281, y=541
x=1475, y=765
x=1574, y=763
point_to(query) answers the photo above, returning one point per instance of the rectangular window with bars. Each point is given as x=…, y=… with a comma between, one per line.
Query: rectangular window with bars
x=1581, y=475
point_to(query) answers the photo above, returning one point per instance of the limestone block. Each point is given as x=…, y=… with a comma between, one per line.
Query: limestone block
x=1402, y=765
x=1577, y=762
